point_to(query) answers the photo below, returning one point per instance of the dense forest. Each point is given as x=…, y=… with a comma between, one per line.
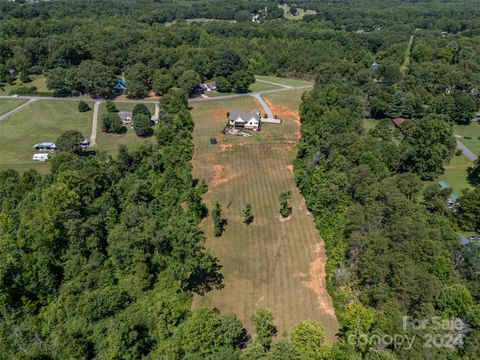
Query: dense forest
x=100, y=258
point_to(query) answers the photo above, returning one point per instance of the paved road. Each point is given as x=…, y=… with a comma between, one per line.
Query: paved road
x=156, y=115
x=277, y=84
x=264, y=105
x=466, y=151
x=93, y=135
x=11, y=112
x=156, y=101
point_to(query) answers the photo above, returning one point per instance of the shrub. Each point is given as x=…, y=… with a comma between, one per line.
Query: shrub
x=285, y=208
x=141, y=109
x=83, y=106
x=142, y=125
x=110, y=106
x=24, y=90
x=112, y=123
x=70, y=142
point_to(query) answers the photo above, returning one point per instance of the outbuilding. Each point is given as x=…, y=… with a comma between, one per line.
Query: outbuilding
x=45, y=146
x=40, y=157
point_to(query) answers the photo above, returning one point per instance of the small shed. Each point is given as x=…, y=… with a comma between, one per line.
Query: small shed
x=452, y=198
x=120, y=85
x=45, y=146
x=40, y=157
x=398, y=121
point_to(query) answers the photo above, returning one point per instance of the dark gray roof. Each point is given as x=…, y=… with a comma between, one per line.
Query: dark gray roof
x=124, y=115
x=245, y=116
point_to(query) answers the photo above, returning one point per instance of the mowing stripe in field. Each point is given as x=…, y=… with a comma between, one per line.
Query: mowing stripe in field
x=276, y=264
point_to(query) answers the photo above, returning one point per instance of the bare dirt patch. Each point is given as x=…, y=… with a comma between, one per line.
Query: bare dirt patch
x=316, y=280
x=224, y=147
x=283, y=111
x=219, y=114
x=283, y=219
x=220, y=176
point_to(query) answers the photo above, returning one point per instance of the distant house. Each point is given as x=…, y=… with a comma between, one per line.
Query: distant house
x=452, y=198
x=208, y=86
x=45, y=146
x=247, y=120
x=126, y=117
x=120, y=85
x=398, y=121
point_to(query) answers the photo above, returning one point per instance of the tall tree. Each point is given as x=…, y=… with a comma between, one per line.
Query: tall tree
x=427, y=146
x=264, y=327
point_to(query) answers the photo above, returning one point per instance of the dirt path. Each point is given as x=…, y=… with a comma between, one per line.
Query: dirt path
x=93, y=135
x=11, y=112
x=277, y=84
x=408, y=51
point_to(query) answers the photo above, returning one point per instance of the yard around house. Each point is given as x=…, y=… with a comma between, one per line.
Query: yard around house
x=111, y=142
x=300, y=12
x=270, y=263
x=469, y=135
x=41, y=120
x=456, y=173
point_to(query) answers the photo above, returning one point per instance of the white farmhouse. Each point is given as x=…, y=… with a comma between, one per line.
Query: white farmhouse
x=247, y=120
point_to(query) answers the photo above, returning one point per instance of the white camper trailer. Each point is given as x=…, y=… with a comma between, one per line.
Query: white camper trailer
x=40, y=157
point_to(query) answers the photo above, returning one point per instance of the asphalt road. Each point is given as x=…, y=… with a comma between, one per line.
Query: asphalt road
x=155, y=101
x=466, y=151
x=264, y=105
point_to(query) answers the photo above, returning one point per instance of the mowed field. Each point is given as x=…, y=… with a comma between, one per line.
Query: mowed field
x=41, y=120
x=7, y=105
x=283, y=81
x=270, y=263
x=111, y=142
x=469, y=135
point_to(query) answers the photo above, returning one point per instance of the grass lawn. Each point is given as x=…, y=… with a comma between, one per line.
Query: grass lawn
x=271, y=263
x=300, y=12
x=42, y=120
x=456, y=173
x=256, y=86
x=111, y=142
x=370, y=124
x=40, y=82
x=473, y=131
x=7, y=105
x=284, y=81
